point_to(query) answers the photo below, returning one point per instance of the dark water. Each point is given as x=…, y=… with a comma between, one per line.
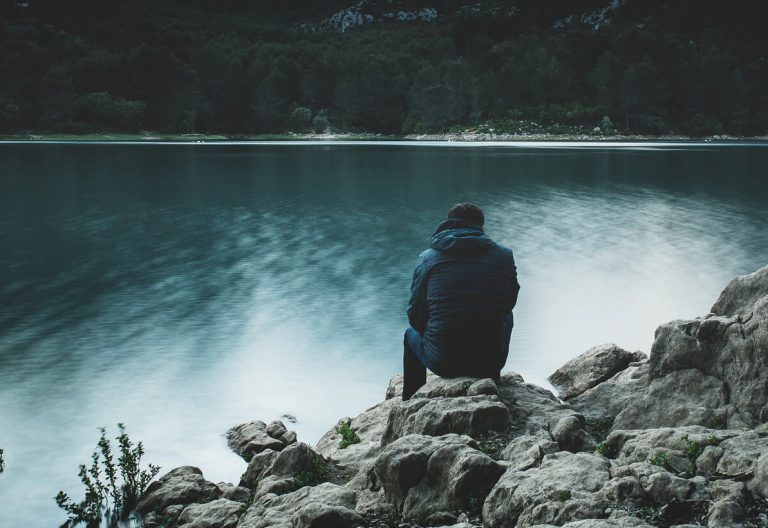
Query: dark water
x=185, y=289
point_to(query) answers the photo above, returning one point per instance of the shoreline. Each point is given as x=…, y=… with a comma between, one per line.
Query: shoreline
x=449, y=137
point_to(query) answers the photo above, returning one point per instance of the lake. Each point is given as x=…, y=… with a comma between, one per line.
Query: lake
x=183, y=289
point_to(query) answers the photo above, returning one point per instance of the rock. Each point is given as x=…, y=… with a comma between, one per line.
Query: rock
x=234, y=493
x=395, y=387
x=606, y=400
x=289, y=510
x=275, y=485
x=369, y=426
x=510, y=377
x=254, y=437
x=759, y=483
x=570, y=435
x=470, y=415
x=317, y=515
x=180, y=486
x=526, y=451
x=287, y=463
x=725, y=514
x=740, y=455
x=437, y=387
x=663, y=487
x=738, y=299
x=423, y=475
x=684, y=397
x=561, y=478
x=484, y=386
x=591, y=368
x=221, y=513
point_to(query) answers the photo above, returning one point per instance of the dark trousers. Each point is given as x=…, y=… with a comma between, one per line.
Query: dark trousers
x=416, y=361
x=414, y=369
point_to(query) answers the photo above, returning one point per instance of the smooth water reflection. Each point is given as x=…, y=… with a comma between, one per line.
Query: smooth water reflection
x=185, y=289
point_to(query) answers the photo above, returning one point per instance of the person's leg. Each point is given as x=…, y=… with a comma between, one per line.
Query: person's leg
x=506, y=334
x=414, y=371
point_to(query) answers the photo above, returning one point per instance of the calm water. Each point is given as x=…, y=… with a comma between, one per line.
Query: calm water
x=185, y=289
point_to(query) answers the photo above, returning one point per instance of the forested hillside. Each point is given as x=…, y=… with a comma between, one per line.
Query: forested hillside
x=235, y=67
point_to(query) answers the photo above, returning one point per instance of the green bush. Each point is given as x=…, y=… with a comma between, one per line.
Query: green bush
x=318, y=472
x=348, y=436
x=112, y=487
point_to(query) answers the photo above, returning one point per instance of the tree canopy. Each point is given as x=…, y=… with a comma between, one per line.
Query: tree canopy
x=248, y=67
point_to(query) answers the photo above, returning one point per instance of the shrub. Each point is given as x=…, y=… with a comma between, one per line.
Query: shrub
x=112, y=488
x=348, y=436
x=318, y=472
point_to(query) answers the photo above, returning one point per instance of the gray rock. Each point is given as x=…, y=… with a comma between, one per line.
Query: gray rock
x=180, y=486
x=741, y=295
x=286, y=510
x=509, y=376
x=437, y=387
x=591, y=368
x=274, y=485
x=443, y=415
x=395, y=387
x=725, y=514
x=369, y=426
x=606, y=400
x=254, y=437
x=423, y=475
x=562, y=477
x=570, y=435
x=287, y=463
x=484, y=386
x=234, y=493
x=318, y=515
x=759, y=483
x=221, y=513
x=740, y=455
x=663, y=487
x=683, y=397
x=527, y=451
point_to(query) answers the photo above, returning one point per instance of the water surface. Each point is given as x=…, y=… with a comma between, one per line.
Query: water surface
x=183, y=289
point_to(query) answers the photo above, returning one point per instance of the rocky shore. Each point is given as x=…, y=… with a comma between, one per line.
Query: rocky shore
x=679, y=438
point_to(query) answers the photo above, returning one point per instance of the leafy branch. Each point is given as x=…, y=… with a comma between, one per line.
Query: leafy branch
x=112, y=489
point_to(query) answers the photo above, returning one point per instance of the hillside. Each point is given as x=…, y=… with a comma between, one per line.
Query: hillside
x=239, y=67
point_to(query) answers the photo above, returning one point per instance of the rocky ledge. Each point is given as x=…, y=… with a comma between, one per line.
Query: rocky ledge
x=675, y=439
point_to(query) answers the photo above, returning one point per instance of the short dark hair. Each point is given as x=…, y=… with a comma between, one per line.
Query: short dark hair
x=468, y=212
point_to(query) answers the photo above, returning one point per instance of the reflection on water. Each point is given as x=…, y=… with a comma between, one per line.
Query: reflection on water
x=183, y=289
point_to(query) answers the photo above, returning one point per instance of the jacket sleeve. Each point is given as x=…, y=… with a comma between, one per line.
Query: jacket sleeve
x=514, y=287
x=418, y=312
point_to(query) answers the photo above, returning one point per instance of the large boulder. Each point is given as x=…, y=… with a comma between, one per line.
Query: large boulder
x=254, y=437
x=425, y=475
x=311, y=506
x=441, y=415
x=606, y=400
x=288, y=463
x=560, y=490
x=591, y=368
x=682, y=397
x=181, y=486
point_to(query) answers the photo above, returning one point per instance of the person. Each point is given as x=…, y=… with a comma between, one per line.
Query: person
x=460, y=311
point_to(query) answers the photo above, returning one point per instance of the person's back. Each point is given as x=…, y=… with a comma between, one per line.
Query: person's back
x=464, y=288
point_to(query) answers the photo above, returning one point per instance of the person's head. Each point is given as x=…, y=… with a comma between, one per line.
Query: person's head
x=468, y=212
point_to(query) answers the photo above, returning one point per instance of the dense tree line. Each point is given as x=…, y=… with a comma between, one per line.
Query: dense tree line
x=248, y=67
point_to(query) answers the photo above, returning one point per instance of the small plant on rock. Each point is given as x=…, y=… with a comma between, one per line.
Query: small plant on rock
x=605, y=449
x=660, y=459
x=316, y=473
x=563, y=495
x=348, y=435
x=692, y=448
x=112, y=487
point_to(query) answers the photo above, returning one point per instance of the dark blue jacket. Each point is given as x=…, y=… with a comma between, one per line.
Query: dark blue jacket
x=463, y=291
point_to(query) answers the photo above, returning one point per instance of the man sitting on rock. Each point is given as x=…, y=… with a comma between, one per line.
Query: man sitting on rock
x=463, y=291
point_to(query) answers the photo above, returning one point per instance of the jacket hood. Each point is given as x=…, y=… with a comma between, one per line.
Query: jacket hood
x=459, y=237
